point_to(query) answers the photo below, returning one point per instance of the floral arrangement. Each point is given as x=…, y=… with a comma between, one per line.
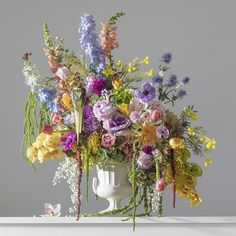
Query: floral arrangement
x=92, y=110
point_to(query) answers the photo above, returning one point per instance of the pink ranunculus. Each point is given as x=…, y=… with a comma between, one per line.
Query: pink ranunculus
x=108, y=140
x=161, y=185
x=136, y=105
x=134, y=116
x=56, y=118
x=157, y=114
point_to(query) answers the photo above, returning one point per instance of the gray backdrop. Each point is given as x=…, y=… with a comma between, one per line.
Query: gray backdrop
x=200, y=34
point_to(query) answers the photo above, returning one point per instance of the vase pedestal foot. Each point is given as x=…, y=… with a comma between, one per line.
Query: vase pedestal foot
x=114, y=204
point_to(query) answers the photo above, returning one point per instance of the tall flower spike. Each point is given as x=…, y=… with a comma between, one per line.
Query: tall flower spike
x=89, y=43
x=108, y=37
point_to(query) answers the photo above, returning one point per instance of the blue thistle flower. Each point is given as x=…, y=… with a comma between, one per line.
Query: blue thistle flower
x=157, y=79
x=185, y=80
x=89, y=42
x=172, y=81
x=181, y=93
x=167, y=57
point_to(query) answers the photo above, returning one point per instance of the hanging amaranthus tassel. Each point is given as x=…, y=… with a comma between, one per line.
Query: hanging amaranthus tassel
x=108, y=37
x=80, y=172
x=172, y=158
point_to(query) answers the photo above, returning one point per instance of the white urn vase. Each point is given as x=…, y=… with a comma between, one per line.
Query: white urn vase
x=112, y=183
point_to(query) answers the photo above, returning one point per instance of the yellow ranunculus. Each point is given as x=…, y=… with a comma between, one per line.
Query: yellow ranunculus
x=177, y=143
x=66, y=101
x=116, y=83
x=32, y=154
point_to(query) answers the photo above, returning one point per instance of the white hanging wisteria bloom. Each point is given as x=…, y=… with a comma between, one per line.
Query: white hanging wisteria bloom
x=67, y=170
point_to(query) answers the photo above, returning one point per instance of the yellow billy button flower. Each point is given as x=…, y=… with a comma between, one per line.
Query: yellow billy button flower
x=108, y=71
x=191, y=131
x=116, y=83
x=119, y=64
x=145, y=60
x=124, y=108
x=191, y=114
x=177, y=143
x=208, y=161
x=210, y=143
x=149, y=73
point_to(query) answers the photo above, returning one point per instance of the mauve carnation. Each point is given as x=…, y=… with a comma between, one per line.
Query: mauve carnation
x=116, y=122
x=144, y=161
x=103, y=109
x=160, y=185
x=134, y=116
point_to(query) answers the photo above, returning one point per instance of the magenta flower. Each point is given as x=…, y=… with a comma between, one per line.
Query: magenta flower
x=68, y=140
x=147, y=94
x=144, y=161
x=116, y=122
x=103, y=109
x=148, y=149
x=99, y=85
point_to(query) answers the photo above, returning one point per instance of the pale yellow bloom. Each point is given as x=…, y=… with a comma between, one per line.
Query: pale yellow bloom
x=32, y=154
x=116, y=83
x=177, y=143
x=124, y=108
x=67, y=102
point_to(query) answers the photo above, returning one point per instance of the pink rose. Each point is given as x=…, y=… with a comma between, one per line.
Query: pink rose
x=56, y=118
x=157, y=114
x=108, y=140
x=160, y=185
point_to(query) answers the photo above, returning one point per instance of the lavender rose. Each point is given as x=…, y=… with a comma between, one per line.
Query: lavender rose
x=103, y=109
x=116, y=122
